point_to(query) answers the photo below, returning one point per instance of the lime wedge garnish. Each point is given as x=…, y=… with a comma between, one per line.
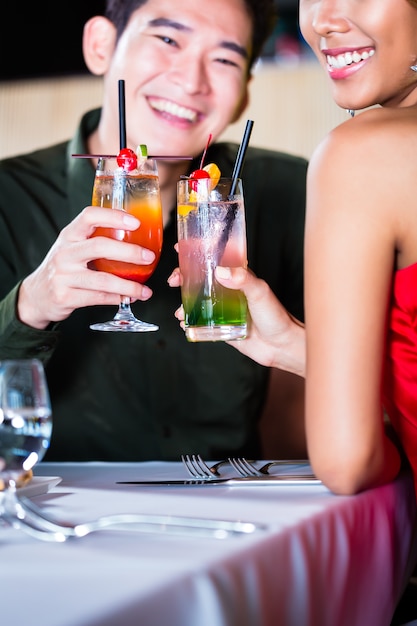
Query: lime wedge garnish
x=142, y=151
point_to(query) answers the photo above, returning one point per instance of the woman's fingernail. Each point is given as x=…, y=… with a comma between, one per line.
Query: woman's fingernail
x=223, y=272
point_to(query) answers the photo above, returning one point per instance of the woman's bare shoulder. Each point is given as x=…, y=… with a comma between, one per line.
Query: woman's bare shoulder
x=369, y=149
x=372, y=133
x=366, y=170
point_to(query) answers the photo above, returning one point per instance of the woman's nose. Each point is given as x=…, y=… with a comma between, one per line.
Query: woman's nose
x=329, y=16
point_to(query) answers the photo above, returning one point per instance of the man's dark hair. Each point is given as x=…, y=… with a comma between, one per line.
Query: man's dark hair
x=262, y=13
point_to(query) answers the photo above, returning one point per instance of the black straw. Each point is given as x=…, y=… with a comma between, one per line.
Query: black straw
x=122, y=114
x=240, y=157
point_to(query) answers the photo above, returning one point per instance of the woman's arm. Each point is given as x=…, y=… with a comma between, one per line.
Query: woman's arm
x=349, y=259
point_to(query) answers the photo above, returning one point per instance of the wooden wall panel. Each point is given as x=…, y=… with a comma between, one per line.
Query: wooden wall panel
x=290, y=105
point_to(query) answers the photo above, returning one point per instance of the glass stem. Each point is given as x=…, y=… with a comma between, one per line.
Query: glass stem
x=125, y=303
x=124, y=313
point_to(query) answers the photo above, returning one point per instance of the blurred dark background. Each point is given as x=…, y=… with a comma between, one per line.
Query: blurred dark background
x=43, y=39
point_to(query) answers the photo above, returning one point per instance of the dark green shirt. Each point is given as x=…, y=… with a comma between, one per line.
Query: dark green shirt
x=134, y=397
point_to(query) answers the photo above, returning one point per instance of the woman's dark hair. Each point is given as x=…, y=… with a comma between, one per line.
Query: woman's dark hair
x=262, y=13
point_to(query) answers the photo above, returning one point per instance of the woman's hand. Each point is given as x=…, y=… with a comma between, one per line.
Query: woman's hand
x=275, y=338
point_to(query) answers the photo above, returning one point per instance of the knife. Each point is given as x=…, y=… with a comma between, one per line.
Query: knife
x=289, y=479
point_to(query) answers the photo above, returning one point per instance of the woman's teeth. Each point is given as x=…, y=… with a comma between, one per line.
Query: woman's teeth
x=348, y=58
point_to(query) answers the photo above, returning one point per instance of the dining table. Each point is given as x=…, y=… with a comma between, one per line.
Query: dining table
x=303, y=556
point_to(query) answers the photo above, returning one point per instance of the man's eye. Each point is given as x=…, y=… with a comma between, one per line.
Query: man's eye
x=227, y=62
x=168, y=40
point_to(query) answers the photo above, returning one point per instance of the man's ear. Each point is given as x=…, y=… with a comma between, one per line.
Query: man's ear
x=99, y=41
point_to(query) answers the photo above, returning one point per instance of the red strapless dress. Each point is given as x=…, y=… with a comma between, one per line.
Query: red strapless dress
x=400, y=380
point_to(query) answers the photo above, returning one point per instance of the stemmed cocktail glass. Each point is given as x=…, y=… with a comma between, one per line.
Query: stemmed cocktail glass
x=136, y=192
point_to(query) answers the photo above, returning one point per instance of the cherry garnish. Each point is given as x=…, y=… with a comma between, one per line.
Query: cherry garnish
x=200, y=173
x=127, y=159
x=196, y=176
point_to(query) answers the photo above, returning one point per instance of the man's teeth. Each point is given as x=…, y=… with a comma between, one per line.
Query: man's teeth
x=342, y=60
x=174, y=109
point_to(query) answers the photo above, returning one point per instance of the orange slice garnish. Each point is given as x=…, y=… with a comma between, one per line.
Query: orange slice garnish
x=214, y=173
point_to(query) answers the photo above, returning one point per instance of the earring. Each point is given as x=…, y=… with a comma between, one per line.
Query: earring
x=413, y=68
x=351, y=112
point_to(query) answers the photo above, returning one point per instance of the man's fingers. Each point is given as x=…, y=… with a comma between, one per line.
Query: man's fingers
x=107, y=248
x=84, y=225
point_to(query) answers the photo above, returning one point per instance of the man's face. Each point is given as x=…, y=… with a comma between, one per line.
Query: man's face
x=185, y=66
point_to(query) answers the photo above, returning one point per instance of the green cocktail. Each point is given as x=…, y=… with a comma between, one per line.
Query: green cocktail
x=211, y=232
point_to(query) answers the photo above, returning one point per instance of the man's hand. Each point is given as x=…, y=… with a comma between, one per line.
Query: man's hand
x=64, y=281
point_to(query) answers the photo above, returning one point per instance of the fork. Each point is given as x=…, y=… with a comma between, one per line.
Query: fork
x=25, y=515
x=198, y=468
x=245, y=467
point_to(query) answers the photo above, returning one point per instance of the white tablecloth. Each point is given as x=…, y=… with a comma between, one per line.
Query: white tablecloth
x=323, y=560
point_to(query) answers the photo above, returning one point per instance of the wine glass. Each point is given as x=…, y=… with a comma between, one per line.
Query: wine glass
x=136, y=192
x=25, y=425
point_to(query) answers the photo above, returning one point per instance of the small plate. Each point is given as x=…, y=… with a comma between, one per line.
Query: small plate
x=38, y=486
